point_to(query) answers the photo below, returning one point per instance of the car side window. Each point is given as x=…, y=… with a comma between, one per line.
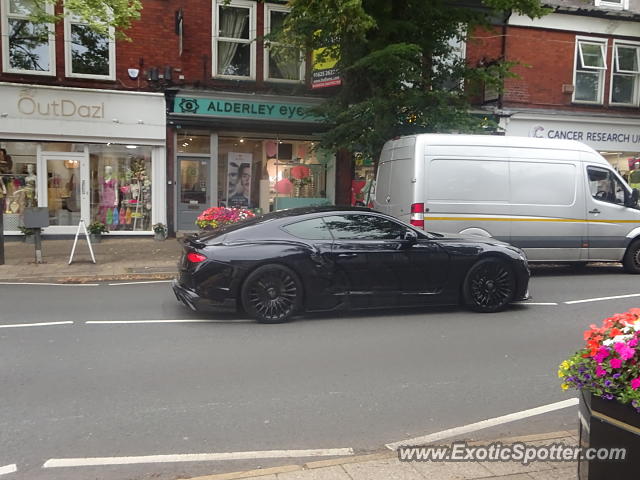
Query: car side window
x=314, y=229
x=364, y=227
x=605, y=186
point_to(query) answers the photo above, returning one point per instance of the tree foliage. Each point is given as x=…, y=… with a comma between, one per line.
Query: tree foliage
x=99, y=15
x=398, y=63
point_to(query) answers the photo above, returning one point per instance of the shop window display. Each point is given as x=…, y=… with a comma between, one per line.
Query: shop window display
x=121, y=187
x=18, y=179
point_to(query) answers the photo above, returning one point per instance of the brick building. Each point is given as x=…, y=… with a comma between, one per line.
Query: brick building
x=196, y=110
x=577, y=75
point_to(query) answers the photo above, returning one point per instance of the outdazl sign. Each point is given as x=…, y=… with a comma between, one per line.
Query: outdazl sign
x=243, y=109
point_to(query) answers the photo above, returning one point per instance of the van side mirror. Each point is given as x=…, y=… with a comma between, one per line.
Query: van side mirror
x=634, y=198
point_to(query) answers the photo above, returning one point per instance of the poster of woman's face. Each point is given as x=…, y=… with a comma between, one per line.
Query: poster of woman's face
x=239, y=195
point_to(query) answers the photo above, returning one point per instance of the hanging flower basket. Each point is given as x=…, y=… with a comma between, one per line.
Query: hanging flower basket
x=607, y=373
x=215, y=217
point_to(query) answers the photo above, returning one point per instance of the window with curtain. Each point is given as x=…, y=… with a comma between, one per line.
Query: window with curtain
x=27, y=47
x=283, y=64
x=624, y=77
x=234, y=39
x=590, y=66
x=88, y=54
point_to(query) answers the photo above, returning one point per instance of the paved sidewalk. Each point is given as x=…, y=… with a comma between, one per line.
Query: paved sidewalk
x=386, y=466
x=117, y=258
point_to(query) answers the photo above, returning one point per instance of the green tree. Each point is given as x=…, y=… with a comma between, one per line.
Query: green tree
x=99, y=15
x=400, y=74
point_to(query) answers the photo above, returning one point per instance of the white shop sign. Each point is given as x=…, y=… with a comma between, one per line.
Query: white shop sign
x=601, y=136
x=49, y=112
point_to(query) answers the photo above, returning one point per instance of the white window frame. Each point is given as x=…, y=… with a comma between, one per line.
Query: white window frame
x=617, y=71
x=620, y=5
x=68, y=64
x=251, y=6
x=6, y=16
x=603, y=43
x=268, y=8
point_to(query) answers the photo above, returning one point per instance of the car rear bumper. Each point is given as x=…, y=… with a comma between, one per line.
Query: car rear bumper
x=196, y=303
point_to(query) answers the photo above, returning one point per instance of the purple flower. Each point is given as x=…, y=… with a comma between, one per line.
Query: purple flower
x=586, y=376
x=607, y=383
x=617, y=375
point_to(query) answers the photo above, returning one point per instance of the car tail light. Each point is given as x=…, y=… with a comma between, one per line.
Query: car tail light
x=194, y=257
x=417, y=215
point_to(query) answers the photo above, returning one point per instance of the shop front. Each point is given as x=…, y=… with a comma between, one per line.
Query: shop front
x=249, y=151
x=617, y=139
x=91, y=155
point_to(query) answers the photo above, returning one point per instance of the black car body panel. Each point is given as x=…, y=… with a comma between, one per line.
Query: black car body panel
x=338, y=273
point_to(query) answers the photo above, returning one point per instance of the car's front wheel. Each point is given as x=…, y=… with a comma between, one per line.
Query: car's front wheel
x=489, y=286
x=272, y=294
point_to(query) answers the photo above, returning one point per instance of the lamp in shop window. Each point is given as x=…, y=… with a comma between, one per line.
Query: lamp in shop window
x=71, y=163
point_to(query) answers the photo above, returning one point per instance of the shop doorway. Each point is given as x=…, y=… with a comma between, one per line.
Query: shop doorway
x=194, y=180
x=65, y=189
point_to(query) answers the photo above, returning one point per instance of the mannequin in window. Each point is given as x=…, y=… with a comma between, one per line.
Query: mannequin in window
x=6, y=164
x=108, y=196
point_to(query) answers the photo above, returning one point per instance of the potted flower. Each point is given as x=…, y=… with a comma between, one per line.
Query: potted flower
x=160, y=232
x=215, y=217
x=607, y=373
x=96, y=229
x=28, y=234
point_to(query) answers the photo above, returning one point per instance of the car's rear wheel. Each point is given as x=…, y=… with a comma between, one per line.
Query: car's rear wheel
x=631, y=259
x=272, y=294
x=489, y=286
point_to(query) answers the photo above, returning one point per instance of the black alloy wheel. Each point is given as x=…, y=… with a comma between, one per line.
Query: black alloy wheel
x=631, y=260
x=489, y=286
x=272, y=294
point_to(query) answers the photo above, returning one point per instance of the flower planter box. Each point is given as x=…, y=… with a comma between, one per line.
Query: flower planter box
x=608, y=424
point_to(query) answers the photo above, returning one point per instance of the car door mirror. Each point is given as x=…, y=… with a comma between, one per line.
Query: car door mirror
x=632, y=200
x=410, y=237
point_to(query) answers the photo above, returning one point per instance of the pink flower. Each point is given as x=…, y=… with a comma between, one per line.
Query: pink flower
x=635, y=383
x=603, y=352
x=615, y=363
x=600, y=372
x=624, y=351
x=633, y=342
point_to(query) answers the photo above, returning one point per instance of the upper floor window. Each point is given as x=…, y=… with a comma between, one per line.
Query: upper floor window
x=590, y=66
x=280, y=64
x=625, y=74
x=27, y=47
x=88, y=54
x=234, y=32
x=619, y=4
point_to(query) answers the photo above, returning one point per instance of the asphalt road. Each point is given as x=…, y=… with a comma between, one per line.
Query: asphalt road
x=360, y=380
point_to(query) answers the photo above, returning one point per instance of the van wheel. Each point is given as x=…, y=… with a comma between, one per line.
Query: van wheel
x=631, y=260
x=489, y=286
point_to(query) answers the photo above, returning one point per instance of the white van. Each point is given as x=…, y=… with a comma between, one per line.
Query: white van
x=559, y=200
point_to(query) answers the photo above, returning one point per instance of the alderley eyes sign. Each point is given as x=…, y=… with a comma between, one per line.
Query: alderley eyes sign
x=218, y=107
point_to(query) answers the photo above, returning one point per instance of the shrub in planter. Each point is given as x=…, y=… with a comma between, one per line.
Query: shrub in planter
x=28, y=234
x=96, y=229
x=607, y=372
x=160, y=231
x=215, y=217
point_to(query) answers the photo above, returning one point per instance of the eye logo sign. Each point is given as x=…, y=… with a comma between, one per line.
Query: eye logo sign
x=189, y=105
x=537, y=131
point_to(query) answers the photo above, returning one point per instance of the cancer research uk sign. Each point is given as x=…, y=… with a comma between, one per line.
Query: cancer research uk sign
x=231, y=108
x=619, y=137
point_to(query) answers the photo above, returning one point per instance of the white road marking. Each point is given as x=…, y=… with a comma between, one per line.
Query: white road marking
x=52, y=284
x=599, y=299
x=8, y=469
x=195, y=457
x=45, y=324
x=535, y=303
x=133, y=322
x=491, y=422
x=140, y=283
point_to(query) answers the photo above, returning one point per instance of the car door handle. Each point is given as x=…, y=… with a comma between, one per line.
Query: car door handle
x=595, y=210
x=347, y=255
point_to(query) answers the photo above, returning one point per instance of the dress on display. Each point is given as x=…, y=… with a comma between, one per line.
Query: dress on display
x=107, y=201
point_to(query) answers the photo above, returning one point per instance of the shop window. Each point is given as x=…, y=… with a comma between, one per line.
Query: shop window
x=624, y=77
x=281, y=64
x=193, y=142
x=88, y=54
x=234, y=32
x=18, y=180
x=27, y=47
x=121, y=186
x=590, y=66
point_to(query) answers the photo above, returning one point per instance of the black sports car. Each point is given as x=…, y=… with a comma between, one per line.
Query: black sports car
x=327, y=258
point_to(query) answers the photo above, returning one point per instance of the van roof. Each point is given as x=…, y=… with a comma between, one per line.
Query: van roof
x=505, y=141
